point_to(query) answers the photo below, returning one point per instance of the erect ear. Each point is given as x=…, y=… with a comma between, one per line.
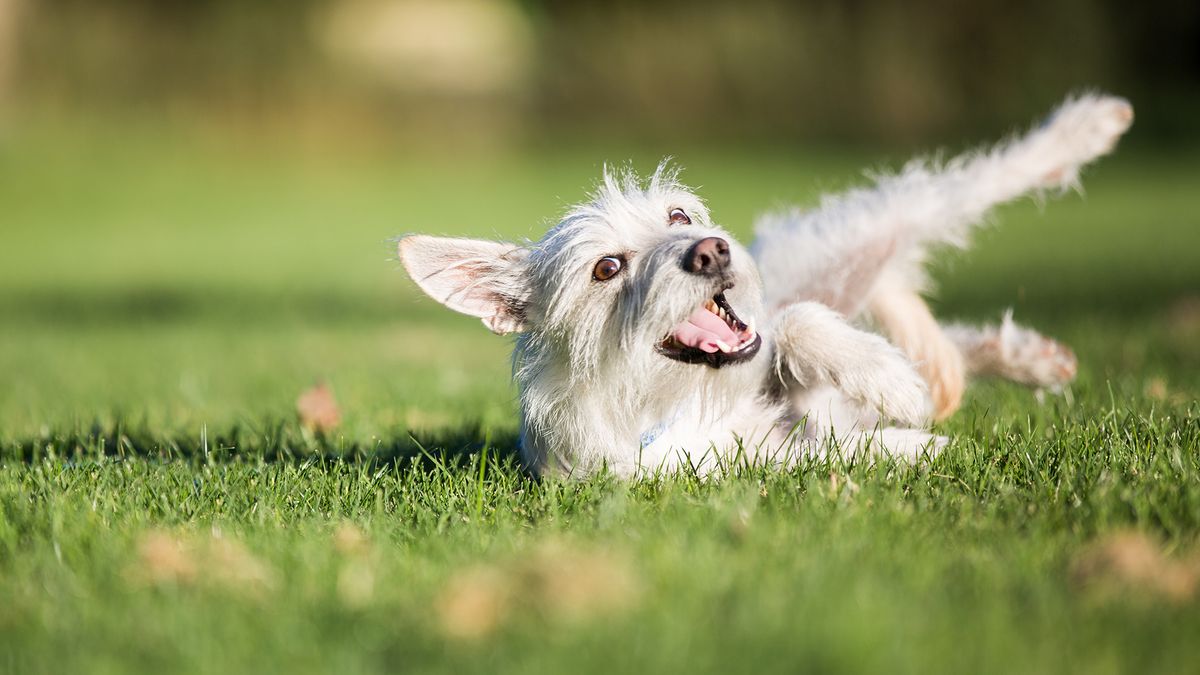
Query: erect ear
x=475, y=277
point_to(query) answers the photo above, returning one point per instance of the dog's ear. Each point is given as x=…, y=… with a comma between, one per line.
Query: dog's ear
x=475, y=277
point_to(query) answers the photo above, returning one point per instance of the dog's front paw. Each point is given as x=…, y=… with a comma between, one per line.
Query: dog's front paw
x=891, y=385
x=909, y=444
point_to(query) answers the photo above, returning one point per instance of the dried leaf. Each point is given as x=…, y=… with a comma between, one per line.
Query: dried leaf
x=1132, y=563
x=474, y=603
x=317, y=409
x=555, y=581
x=164, y=559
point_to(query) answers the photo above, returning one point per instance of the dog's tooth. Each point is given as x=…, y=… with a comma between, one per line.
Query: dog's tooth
x=750, y=327
x=724, y=347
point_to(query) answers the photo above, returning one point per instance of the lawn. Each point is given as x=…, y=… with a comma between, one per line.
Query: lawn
x=163, y=302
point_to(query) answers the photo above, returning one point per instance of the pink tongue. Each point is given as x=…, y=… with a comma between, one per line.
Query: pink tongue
x=703, y=329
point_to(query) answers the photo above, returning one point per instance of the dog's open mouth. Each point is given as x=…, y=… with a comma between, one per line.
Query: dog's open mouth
x=713, y=335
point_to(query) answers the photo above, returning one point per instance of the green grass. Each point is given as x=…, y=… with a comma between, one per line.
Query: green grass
x=163, y=304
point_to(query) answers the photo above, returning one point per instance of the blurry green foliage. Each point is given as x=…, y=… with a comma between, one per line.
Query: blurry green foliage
x=888, y=70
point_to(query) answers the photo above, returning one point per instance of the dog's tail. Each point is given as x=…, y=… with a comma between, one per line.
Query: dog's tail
x=840, y=252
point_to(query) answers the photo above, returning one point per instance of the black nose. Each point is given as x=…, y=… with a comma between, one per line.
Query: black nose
x=708, y=256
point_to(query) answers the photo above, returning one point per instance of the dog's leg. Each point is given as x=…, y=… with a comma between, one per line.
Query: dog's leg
x=947, y=355
x=831, y=423
x=910, y=444
x=836, y=253
x=815, y=346
x=906, y=318
x=865, y=249
x=1015, y=353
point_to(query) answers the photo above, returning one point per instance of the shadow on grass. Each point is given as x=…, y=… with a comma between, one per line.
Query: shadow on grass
x=269, y=443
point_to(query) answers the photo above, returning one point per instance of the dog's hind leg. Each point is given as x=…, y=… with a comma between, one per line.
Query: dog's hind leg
x=1013, y=352
x=836, y=253
x=865, y=250
x=905, y=317
x=947, y=355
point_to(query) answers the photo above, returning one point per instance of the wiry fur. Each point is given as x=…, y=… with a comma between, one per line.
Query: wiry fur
x=595, y=392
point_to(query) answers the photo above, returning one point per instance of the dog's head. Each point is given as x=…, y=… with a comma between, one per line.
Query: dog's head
x=638, y=277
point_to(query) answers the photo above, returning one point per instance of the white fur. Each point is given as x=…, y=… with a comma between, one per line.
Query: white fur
x=596, y=393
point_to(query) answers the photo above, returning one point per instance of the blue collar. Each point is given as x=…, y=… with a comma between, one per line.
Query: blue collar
x=650, y=435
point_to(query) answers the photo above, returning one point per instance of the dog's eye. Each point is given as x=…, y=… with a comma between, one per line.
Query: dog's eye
x=679, y=217
x=606, y=269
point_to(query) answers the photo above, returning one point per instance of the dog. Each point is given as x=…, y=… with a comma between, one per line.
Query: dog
x=648, y=340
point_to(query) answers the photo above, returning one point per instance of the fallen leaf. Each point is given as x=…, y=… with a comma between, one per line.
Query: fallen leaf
x=555, y=582
x=164, y=559
x=317, y=410
x=209, y=562
x=474, y=603
x=1132, y=563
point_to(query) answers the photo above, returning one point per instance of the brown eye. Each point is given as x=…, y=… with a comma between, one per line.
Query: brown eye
x=678, y=217
x=606, y=269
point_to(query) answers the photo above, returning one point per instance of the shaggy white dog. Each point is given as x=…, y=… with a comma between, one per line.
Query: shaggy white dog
x=649, y=339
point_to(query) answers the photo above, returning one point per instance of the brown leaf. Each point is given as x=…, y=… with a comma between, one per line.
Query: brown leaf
x=317, y=409
x=555, y=581
x=474, y=603
x=1132, y=563
x=216, y=561
x=164, y=559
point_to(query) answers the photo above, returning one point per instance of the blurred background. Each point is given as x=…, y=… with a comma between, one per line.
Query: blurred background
x=508, y=72
x=196, y=196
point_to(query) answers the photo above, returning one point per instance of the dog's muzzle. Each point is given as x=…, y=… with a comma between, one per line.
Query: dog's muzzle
x=713, y=335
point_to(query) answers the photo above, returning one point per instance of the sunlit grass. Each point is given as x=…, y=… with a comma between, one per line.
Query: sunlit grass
x=162, y=307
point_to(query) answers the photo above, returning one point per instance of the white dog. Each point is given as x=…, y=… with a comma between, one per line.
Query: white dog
x=648, y=339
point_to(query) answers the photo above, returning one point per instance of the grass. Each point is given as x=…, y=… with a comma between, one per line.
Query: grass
x=162, y=305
